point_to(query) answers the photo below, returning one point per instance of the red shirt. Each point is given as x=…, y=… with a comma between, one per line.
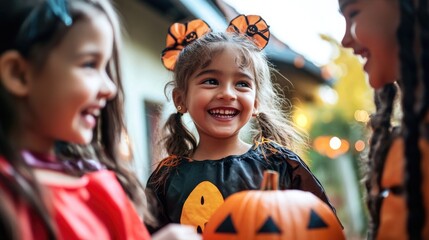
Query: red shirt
x=93, y=206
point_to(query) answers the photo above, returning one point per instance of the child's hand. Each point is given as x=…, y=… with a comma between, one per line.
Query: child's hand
x=176, y=232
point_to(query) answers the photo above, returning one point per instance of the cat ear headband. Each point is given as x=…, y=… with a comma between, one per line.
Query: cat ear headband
x=182, y=34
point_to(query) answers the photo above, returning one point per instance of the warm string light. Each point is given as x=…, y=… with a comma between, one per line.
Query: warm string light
x=331, y=146
x=360, y=145
x=361, y=116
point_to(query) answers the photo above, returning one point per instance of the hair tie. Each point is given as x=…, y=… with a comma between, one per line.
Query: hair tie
x=179, y=36
x=252, y=26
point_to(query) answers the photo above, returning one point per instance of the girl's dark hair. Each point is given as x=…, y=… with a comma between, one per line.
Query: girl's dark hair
x=104, y=145
x=272, y=123
x=379, y=146
x=413, y=39
x=7, y=220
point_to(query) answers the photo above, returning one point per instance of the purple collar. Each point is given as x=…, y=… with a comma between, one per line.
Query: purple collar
x=45, y=161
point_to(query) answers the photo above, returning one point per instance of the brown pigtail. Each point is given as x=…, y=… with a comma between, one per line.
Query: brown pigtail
x=268, y=130
x=180, y=141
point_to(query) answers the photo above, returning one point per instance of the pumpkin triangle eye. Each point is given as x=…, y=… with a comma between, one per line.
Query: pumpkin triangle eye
x=316, y=221
x=227, y=226
x=269, y=227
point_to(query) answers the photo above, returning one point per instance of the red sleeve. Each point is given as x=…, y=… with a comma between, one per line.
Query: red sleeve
x=28, y=226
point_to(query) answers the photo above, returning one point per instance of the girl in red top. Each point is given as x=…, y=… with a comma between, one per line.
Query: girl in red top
x=60, y=123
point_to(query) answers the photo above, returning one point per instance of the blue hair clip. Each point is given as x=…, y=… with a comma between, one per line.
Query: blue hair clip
x=59, y=8
x=40, y=22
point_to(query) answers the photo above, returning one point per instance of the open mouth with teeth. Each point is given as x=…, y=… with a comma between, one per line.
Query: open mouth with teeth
x=95, y=112
x=364, y=53
x=223, y=113
x=90, y=116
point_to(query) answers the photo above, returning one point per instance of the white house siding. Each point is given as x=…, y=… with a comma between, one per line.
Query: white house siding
x=144, y=75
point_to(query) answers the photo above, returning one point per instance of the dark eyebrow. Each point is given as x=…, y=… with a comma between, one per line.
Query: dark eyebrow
x=345, y=4
x=85, y=55
x=207, y=71
x=88, y=53
x=217, y=72
x=242, y=74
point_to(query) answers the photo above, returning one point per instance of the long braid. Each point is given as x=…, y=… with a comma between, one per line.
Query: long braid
x=379, y=146
x=423, y=17
x=409, y=82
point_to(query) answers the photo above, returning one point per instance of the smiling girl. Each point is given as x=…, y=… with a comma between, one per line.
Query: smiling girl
x=393, y=37
x=222, y=80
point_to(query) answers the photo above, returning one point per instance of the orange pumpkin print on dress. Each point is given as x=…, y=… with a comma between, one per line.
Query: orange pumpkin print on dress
x=393, y=212
x=179, y=36
x=271, y=214
x=200, y=205
x=252, y=26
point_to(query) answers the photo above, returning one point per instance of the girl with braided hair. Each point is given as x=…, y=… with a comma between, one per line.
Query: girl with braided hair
x=393, y=37
x=222, y=79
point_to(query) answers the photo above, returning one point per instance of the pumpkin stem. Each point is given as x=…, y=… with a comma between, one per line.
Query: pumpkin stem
x=270, y=180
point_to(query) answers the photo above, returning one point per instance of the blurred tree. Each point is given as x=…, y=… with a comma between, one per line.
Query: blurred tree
x=354, y=92
x=336, y=123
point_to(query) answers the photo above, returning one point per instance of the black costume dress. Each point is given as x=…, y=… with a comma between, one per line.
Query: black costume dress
x=193, y=190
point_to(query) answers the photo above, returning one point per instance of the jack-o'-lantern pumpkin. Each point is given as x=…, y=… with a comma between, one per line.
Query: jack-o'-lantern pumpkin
x=272, y=214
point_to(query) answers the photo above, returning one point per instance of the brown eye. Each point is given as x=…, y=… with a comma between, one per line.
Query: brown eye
x=243, y=84
x=211, y=81
x=353, y=13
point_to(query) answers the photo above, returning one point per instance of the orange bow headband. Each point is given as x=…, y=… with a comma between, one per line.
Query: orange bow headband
x=182, y=34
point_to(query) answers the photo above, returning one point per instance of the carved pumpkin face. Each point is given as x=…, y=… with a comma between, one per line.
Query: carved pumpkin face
x=273, y=215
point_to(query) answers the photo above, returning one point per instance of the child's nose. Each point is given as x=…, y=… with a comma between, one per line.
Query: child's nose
x=108, y=88
x=347, y=39
x=227, y=93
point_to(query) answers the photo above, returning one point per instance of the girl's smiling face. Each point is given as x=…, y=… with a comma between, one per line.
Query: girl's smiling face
x=66, y=96
x=371, y=27
x=221, y=96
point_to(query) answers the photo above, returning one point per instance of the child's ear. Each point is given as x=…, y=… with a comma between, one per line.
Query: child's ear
x=256, y=106
x=13, y=69
x=179, y=101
